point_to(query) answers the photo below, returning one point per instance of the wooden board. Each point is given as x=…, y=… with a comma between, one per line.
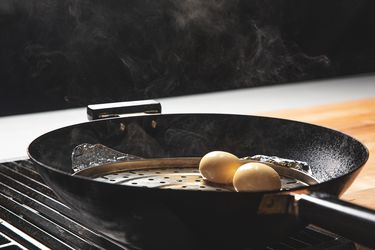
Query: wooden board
x=355, y=118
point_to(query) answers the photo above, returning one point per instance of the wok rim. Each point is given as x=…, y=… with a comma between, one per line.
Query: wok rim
x=296, y=189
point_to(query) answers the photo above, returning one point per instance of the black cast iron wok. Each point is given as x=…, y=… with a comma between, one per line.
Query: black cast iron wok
x=155, y=218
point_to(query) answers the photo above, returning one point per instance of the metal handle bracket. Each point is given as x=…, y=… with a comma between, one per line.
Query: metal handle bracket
x=116, y=109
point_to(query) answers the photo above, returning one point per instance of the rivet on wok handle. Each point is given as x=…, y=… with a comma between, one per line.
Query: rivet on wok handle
x=277, y=204
x=116, y=109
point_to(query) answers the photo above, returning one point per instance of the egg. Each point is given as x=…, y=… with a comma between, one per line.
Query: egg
x=256, y=177
x=219, y=166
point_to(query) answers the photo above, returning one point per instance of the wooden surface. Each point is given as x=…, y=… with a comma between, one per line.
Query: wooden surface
x=355, y=118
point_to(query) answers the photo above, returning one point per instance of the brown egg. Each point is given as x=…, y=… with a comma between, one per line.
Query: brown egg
x=256, y=177
x=219, y=166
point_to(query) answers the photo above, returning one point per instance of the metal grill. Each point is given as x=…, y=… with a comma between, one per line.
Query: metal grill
x=176, y=178
x=32, y=217
x=31, y=206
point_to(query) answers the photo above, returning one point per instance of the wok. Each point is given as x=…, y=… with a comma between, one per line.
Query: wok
x=156, y=218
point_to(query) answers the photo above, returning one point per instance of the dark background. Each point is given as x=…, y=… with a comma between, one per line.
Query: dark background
x=69, y=53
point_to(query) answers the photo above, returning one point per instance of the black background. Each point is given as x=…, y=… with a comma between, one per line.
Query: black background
x=69, y=53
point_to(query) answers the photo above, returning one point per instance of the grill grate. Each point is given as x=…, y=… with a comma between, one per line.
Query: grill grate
x=27, y=203
x=31, y=217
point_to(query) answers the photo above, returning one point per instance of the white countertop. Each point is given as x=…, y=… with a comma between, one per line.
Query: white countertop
x=16, y=132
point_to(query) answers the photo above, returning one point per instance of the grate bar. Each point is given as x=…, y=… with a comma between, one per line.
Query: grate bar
x=314, y=232
x=43, y=222
x=294, y=244
x=59, y=218
x=51, y=202
x=64, y=212
x=41, y=187
x=312, y=238
x=30, y=229
x=16, y=237
x=21, y=168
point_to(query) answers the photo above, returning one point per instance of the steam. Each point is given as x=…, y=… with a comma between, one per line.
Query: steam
x=255, y=50
x=206, y=14
x=102, y=51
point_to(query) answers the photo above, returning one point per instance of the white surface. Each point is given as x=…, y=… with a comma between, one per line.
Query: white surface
x=263, y=99
x=16, y=132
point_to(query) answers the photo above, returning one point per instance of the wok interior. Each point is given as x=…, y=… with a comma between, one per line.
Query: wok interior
x=178, y=173
x=329, y=153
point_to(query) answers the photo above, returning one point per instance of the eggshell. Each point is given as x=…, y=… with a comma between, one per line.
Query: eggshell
x=219, y=166
x=256, y=177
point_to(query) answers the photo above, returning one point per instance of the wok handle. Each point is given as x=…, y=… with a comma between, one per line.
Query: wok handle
x=346, y=219
x=116, y=109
